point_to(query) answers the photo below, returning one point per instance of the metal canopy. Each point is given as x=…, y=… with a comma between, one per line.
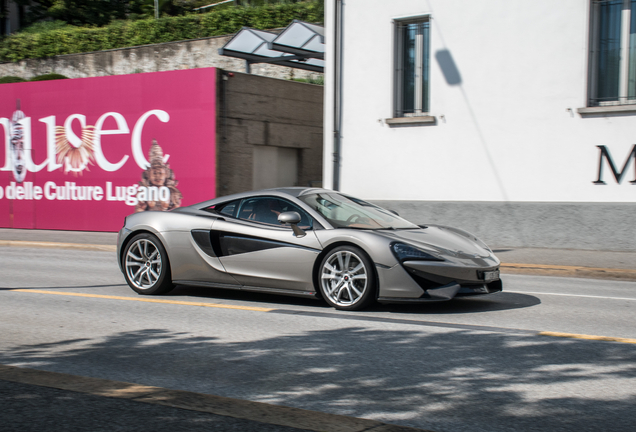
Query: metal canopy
x=301, y=38
x=300, y=45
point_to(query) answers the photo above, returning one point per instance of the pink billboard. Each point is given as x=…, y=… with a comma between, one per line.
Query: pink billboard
x=80, y=154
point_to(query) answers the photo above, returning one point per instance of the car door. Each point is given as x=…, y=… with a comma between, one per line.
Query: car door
x=258, y=251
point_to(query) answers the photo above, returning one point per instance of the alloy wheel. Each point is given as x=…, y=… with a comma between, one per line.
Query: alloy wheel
x=143, y=264
x=344, y=278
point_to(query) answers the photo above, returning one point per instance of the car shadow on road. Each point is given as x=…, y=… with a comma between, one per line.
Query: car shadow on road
x=494, y=302
x=433, y=378
x=268, y=300
x=491, y=303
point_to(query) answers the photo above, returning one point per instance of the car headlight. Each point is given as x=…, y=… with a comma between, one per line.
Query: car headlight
x=405, y=252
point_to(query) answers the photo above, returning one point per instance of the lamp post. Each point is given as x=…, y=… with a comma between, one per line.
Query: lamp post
x=156, y=9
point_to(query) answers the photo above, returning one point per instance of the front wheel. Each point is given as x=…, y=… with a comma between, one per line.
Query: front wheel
x=146, y=265
x=347, y=280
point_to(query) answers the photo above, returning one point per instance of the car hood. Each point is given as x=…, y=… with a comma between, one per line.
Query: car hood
x=444, y=241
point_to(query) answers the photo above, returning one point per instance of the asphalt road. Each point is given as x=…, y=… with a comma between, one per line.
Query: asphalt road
x=466, y=365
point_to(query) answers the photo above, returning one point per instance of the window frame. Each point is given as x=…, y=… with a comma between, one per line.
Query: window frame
x=623, y=98
x=421, y=91
x=313, y=223
x=216, y=209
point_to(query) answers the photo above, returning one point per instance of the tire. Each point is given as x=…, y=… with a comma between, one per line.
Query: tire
x=146, y=266
x=347, y=279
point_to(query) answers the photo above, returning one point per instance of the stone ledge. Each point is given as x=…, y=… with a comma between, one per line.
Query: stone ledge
x=413, y=121
x=610, y=109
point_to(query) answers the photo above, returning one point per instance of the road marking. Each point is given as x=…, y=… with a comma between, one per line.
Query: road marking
x=572, y=295
x=147, y=300
x=338, y=316
x=588, y=337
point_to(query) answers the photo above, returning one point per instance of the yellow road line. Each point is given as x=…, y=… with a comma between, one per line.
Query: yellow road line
x=147, y=300
x=588, y=337
x=260, y=309
x=36, y=244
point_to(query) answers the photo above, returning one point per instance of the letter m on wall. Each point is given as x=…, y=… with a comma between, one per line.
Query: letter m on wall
x=618, y=175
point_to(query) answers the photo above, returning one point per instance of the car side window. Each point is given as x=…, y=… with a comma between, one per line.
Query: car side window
x=226, y=209
x=267, y=209
x=229, y=209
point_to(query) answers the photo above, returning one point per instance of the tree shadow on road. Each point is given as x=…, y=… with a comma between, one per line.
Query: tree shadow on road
x=434, y=378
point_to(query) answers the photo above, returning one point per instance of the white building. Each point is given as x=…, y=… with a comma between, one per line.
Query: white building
x=488, y=115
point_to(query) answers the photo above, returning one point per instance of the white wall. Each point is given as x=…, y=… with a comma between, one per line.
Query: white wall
x=508, y=132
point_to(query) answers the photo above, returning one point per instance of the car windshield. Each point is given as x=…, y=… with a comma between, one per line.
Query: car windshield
x=347, y=212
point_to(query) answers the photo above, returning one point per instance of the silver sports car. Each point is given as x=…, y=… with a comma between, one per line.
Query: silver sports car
x=304, y=242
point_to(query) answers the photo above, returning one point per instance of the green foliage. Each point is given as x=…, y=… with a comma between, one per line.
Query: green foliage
x=11, y=79
x=121, y=34
x=147, y=8
x=192, y=4
x=44, y=26
x=48, y=77
x=317, y=80
x=78, y=12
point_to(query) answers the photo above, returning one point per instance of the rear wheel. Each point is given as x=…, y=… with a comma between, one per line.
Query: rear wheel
x=146, y=265
x=347, y=280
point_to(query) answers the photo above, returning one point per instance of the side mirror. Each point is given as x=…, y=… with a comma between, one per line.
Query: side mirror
x=292, y=218
x=289, y=218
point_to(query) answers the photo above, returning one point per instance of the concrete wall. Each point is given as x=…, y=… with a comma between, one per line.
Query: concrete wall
x=148, y=58
x=269, y=133
x=508, y=153
x=588, y=226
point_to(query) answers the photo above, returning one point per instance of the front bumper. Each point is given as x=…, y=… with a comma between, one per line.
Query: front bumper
x=429, y=281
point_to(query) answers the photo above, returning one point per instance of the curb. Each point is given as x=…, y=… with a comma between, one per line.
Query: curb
x=506, y=268
x=218, y=405
x=56, y=245
x=569, y=271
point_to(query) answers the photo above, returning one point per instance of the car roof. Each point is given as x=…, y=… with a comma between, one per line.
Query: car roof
x=294, y=192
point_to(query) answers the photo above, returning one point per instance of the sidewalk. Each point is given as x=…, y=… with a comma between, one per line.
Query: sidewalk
x=534, y=261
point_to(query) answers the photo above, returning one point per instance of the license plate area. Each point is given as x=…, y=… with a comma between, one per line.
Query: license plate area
x=490, y=276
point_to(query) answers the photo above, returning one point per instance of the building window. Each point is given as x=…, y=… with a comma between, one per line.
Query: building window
x=412, y=67
x=613, y=71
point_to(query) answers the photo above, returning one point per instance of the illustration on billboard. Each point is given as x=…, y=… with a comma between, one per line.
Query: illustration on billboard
x=74, y=152
x=157, y=188
x=17, y=144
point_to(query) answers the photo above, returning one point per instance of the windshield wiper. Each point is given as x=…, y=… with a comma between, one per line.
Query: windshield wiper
x=377, y=229
x=358, y=228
